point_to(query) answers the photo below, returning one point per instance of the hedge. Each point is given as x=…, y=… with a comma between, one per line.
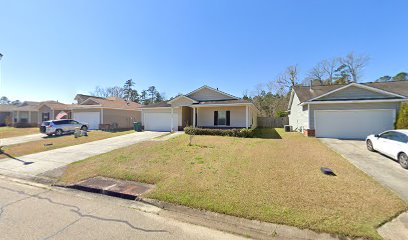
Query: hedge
x=243, y=132
x=402, y=118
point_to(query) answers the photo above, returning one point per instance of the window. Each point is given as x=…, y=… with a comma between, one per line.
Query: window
x=46, y=116
x=221, y=118
x=395, y=136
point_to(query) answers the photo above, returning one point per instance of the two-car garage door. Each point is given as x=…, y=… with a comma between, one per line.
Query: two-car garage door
x=352, y=124
x=92, y=118
x=160, y=121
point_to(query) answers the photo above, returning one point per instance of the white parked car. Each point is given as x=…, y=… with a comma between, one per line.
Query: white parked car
x=393, y=143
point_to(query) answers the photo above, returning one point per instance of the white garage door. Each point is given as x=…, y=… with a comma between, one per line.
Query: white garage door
x=160, y=121
x=92, y=118
x=352, y=124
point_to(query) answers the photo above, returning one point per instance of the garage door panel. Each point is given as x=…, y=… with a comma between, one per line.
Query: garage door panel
x=352, y=124
x=160, y=121
x=92, y=118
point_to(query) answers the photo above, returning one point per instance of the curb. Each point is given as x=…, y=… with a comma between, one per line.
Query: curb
x=236, y=225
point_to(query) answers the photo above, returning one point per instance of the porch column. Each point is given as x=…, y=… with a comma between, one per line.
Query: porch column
x=52, y=117
x=18, y=117
x=194, y=117
x=246, y=117
x=171, y=127
x=39, y=119
x=29, y=116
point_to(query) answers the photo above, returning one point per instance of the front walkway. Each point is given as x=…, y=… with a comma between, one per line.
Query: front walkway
x=22, y=139
x=383, y=169
x=37, y=163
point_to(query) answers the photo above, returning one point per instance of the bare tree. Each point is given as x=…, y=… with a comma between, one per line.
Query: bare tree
x=108, y=92
x=354, y=65
x=329, y=66
x=317, y=73
x=288, y=79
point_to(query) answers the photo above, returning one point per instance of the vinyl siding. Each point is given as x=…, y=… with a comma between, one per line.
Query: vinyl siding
x=298, y=117
x=354, y=93
x=205, y=116
x=182, y=102
x=349, y=106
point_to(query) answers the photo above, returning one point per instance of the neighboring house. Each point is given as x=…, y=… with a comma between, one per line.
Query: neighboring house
x=5, y=112
x=99, y=112
x=205, y=107
x=31, y=114
x=351, y=111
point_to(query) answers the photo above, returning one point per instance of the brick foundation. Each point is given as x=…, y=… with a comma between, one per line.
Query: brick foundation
x=309, y=132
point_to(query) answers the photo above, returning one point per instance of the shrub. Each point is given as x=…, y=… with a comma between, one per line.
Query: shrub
x=402, y=118
x=8, y=121
x=244, y=133
x=281, y=114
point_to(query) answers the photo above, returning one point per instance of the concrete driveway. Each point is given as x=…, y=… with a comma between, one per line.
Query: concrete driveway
x=383, y=169
x=29, y=166
x=22, y=139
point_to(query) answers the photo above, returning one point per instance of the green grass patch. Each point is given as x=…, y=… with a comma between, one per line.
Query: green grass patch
x=273, y=177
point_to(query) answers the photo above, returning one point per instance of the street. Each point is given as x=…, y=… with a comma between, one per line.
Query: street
x=33, y=211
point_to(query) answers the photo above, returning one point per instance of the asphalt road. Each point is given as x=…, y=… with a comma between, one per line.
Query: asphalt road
x=30, y=211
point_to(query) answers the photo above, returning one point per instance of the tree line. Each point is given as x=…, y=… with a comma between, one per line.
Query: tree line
x=129, y=93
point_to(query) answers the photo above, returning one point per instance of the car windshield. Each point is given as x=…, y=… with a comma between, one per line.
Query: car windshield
x=46, y=123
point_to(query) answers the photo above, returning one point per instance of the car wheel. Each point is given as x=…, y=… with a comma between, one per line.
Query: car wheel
x=84, y=128
x=59, y=132
x=370, y=145
x=403, y=160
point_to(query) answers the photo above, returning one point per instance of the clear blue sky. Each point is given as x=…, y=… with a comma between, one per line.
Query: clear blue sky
x=55, y=49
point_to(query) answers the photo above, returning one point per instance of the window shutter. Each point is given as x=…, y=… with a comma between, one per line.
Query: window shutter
x=228, y=118
x=215, y=118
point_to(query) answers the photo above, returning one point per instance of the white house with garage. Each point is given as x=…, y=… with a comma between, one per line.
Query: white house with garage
x=351, y=111
x=205, y=107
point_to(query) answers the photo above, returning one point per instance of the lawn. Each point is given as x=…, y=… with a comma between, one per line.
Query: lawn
x=275, y=178
x=6, y=132
x=49, y=143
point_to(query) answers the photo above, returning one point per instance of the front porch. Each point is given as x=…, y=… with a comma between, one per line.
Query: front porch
x=224, y=117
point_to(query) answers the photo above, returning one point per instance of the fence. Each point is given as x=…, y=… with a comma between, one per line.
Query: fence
x=273, y=122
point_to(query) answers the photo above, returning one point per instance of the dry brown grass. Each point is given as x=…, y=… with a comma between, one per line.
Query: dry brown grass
x=6, y=132
x=57, y=142
x=273, y=180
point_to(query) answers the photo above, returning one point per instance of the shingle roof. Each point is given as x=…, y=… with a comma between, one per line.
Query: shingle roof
x=304, y=93
x=156, y=105
x=111, y=103
x=7, y=107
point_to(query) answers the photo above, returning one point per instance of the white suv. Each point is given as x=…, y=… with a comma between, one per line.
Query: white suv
x=60, y=127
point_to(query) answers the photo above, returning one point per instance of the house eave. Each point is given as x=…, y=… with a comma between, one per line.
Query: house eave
x=355, y=101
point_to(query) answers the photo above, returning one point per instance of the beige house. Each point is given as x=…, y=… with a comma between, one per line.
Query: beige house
x=204, y=107
x=32, y=114
x=105, y=113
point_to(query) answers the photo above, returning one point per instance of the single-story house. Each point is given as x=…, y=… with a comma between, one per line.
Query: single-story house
x=205, y=107
x=99, y=112
x=31, y=114
x=351, y=111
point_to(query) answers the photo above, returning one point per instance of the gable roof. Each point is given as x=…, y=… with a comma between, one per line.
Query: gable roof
x=181, y=96
x=109, y=103
x=212, y=89
x=305, y=93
